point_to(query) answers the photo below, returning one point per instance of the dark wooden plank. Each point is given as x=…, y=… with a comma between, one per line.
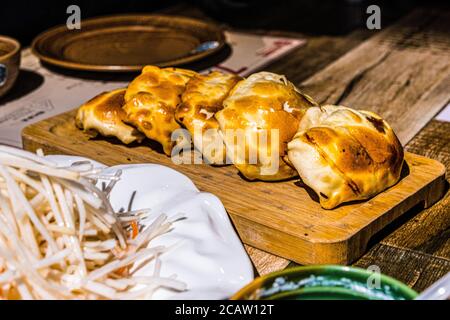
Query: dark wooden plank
x=433, y=142
x=301, y=63
x=265, y=262
x=429, y=231
x=316, y=54
x=416, y=249
x=418, y=270
x=401, y=73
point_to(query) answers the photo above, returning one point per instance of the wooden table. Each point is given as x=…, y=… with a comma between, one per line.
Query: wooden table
x=415, y=250
x=403, y=73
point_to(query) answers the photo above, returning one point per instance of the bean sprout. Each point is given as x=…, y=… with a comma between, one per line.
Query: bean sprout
x=61, y=239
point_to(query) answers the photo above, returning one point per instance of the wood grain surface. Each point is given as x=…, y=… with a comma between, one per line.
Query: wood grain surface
x=401, y=73
x=423, y=33
x=298, y=65
x=417, y=251
x=419, y=244
x=429, y=232
x=422, y=237
x=416, y=269
x=282, y=218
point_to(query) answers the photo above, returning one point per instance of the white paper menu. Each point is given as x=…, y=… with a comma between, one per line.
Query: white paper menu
x=251, y=53
x=60, y=93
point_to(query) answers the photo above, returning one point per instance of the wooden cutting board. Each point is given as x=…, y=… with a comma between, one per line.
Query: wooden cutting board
x=279, y=217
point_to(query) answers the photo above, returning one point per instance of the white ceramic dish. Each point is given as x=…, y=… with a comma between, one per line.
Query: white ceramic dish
x=207, y=253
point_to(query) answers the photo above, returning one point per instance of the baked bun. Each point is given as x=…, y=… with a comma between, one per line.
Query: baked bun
x=167, y=84
x=202, y=98
x=345, y=154
x=151, y=101
x=104, y=114
x=256, y=105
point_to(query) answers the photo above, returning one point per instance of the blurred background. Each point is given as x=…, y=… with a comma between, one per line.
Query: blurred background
x=25, y=19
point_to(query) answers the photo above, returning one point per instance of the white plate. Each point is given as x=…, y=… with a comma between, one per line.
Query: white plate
x=208, y=254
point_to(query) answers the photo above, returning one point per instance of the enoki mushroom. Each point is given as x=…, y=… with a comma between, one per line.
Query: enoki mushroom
x=61, y=239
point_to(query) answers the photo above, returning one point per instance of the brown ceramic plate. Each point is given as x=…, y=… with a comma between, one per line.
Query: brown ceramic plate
x=125, y=43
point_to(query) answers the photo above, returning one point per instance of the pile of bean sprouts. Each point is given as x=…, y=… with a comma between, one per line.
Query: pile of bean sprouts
x=61, y=239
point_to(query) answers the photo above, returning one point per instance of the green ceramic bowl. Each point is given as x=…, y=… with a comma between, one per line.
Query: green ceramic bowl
x=325, y=282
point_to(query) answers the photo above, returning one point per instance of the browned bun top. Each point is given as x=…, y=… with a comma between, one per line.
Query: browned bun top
x=104, y=114
x=259, y=104
x=109, y=105
x=151, y=101
x=357, y=154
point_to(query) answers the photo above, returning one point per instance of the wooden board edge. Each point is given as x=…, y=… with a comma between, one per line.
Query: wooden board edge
x=425, y=197
x=288, y=246
x=31, y=143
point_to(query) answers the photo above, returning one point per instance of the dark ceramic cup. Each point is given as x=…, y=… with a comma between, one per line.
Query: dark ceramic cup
x=9, y=63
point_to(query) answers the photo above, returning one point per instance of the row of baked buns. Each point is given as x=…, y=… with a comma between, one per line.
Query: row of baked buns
x=341, y=153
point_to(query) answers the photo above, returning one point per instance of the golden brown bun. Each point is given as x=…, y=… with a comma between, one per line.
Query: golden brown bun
x=202, y=98
x=104, y=114
x=256, y=105
x=166, y=84
x=345, y=154
x=151, y=101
